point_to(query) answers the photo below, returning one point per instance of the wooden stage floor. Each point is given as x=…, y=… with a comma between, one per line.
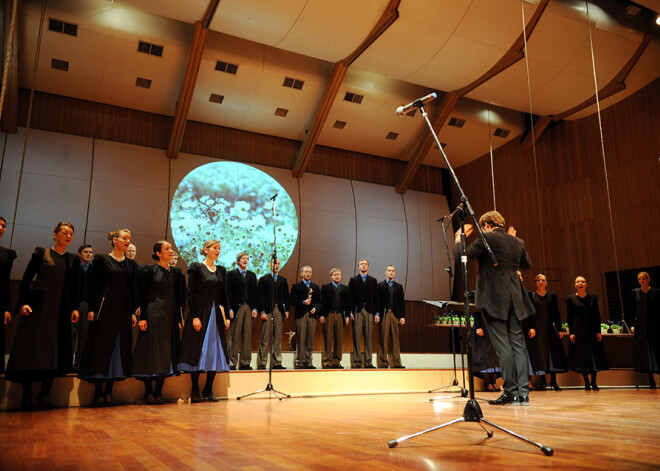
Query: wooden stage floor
x=606, y=429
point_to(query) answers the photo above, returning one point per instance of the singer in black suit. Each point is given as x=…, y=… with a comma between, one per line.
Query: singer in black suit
x=243, y=304
x=335, y=313
x=365, y=303
x=7, y=257
x=502, y=298
x=305, y=297
x=278, y=307
x=392, y=304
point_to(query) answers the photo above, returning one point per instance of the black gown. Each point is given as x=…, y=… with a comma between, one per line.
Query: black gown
x=157, y=349
x=647, y=330
x=7, y=257
x=206, y=290
x=586, y=353
x=113, y=302
x=551, y=357
x=42, y=345
x=484, y=358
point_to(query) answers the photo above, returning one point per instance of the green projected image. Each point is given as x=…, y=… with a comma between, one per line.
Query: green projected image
x=230, y=202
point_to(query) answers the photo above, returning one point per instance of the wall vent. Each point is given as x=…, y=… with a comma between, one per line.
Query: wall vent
x=59, y=65
x=392, y=136
x=143, y=82
x=215, y=98
x=281, y=112
x=293, y=83
x=226, y=67
x=60, y=26
x=499, y=132
x=353, y=97
x=148, y=48
x=339, y=124
x=456, y=122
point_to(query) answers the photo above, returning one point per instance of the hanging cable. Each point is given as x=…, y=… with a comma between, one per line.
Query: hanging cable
x=492, y=167
x=602, y=149
x=544, y=267
x=29, y=115
x=8, y=53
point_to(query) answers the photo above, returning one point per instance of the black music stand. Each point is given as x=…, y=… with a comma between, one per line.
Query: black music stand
x=472, y=411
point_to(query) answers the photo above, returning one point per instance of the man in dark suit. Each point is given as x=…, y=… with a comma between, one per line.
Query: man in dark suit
x=335, y=313
x=391, y=299
x=278, y=306
x=243, y=303
x=364, y=296
x=305, y=297
x=502, y=298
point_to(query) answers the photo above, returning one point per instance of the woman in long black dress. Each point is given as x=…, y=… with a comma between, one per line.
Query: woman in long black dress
x=647, y=327
x=42, y=346
x=204, y=345
x=7, y=257
x=485, y=364
x=157, y=349
x=107, y=356
x=548, y=332
x=586, y=354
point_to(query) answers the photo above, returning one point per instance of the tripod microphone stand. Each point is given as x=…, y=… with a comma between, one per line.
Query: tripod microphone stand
x=273, y=304
x=472, y=411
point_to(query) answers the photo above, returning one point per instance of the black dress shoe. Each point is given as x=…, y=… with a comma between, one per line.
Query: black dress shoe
x=159, y=400
x=521, y=401
x=246, y=368
x=595, y=387
x=150, y=399
x=43, y=404
x=503, y=399
x=356, y=367
x=232, y=368
x=555, y=386
x=196, y=397
x=262, y=368
x=310, y=367
x=279, y=367
x=210, y=397
x=400, y=366
x=338, y=367
x=370, y=367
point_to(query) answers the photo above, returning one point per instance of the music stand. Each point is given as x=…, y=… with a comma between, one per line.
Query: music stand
x=472, y=411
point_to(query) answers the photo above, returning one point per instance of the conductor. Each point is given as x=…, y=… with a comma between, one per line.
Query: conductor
x=502, y=298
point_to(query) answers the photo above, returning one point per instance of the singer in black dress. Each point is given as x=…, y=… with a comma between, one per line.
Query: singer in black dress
x=204, y=344
x=42, y=346
x=107, y=356
x=157, y=349
x=586, y=354
x=647, y=328
x=485, y=364
x=7, y=257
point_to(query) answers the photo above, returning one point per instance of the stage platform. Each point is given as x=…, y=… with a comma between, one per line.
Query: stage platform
x=417, y=377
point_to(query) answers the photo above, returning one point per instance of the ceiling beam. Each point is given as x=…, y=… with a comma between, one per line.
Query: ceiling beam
x=10, y=105
x=389, y=16
x=540, y=125
x=513, y=55
x=187, y=89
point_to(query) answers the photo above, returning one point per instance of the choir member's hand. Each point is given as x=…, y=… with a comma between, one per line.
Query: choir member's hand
x=572, y=337
x=133, y=320
x=307, y=302
x=532, y=333
x=469, y=229
x=75, y=316
x=286, y=315
x=142, y=325
x=26, y=310
x=402, y=321
x=313, y=311
x=322, y=320
x=512, y=231
x=254, y=313
x=599, y=337
x=376, y=319
x=90, y=316
x=7, y=317
x=138, y=311
x=480, y=332
x=197, y=324
x=264, y=316
x=227, y=324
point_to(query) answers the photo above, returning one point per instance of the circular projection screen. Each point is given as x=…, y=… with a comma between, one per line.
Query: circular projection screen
x=231, y=202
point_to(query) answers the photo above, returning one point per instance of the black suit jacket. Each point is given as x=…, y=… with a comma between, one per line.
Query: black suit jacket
x=328, y=294
x=299, y=293
x=498, y=287
x=399, y=308
x=281, y=293
x=364, y=294
x=235, y=283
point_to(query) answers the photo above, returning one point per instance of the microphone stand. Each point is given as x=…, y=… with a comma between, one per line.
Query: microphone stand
x=472, y=411
x=454, y=379
x=272, y=304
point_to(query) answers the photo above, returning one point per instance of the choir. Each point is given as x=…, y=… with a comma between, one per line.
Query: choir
x=114, y=294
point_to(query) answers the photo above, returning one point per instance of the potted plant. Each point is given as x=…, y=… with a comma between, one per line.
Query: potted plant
x=616, y=328
x=437, y=319
x=604, y=328
x=564, y=327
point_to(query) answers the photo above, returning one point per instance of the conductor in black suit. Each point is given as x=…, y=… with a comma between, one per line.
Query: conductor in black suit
x=243, y=303
x=502, y=298
x=364, y=294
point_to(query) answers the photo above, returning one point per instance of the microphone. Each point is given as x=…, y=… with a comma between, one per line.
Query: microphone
x=449, y=216
x=403, y=109
x=272, y=198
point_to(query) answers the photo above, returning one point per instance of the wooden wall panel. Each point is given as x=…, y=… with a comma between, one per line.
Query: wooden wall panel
x=574, y=234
